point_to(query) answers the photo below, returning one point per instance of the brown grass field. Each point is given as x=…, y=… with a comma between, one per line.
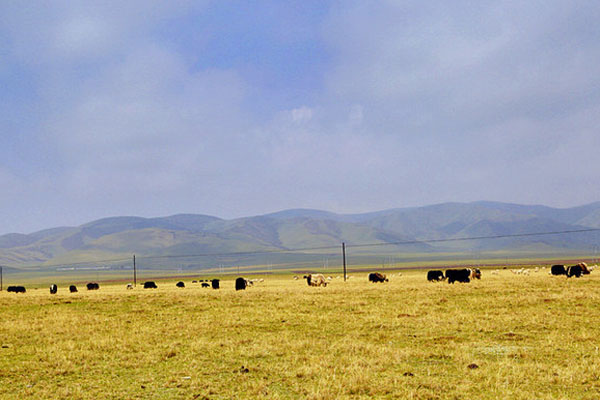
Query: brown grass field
x=504, y=337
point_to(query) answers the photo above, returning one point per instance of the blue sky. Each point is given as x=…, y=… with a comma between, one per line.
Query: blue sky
x=153, y=108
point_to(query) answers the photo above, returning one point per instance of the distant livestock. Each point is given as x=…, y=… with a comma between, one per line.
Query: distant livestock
x=215, y=283
x=584, y=268
x=180, y=284
x=73, y=289
x=150, y=285
x=92, y=286
x=377, y=277
x=241, y=284
x=16, y=289
x=435, y=275
x=129, y=286
x=558, y=269
x=315, y=280
x=204, y=284
x=53, y=289
x=475, y=273
x=459, y=275
x=574, y=270
x=521, y=271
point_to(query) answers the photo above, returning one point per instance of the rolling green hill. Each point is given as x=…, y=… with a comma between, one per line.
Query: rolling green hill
x=290, y=233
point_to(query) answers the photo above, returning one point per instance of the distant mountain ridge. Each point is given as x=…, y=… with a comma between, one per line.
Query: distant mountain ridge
x=427, y=229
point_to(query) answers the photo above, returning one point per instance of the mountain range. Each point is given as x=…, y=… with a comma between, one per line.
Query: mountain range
x=194, y=241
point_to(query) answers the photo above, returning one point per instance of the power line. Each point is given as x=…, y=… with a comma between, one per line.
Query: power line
x=75, y=263
x=260, y=252
x=474, y=238
x=240, y=253
x=280, y=251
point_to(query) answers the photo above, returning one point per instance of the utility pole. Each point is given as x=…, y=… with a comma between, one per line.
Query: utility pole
x=134, y=272
x=344, y=258
x=0, y=279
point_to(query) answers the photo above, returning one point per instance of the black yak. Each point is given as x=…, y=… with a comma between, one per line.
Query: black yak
x=558, y=269
x=574, y=270
x=377, y=277
x=458, y=275
x=241, y=284
x=435, y=275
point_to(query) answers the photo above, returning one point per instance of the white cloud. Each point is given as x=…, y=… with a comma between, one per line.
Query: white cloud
x=467, y=71
x=302, y=114
x=63, y=33
x=419, y=103
x=82, y=36
x=148, y=123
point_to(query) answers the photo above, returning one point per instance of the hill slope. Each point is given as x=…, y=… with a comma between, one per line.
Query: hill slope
x=428, y=229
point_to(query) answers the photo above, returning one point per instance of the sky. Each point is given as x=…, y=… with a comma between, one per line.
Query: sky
x=153, y=108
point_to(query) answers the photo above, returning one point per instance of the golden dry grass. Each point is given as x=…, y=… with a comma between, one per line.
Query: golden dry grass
x=504, y=337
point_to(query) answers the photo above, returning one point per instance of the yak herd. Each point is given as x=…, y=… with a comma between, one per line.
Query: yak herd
x=464, y=275
x=573, y=270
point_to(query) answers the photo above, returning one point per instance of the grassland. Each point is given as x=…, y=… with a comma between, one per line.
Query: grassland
x=504, y=337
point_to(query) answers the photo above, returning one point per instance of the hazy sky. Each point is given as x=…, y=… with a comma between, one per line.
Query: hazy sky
x=237, y=108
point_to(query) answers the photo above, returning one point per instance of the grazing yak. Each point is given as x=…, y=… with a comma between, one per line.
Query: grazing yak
x=73, y=289
x=315, y=280
x=129, y=286
x=215, y=283
x=180, y=284
x=204, y=284
x=584, y=268
x=459, y=275
x=475, y=273
x=241, y=284
x=150, y=285
x=377, y=277
x=435, y=275
x=558, y=269
x=16, y=289
x=574, y=270
x=92, y=286
x=53, y=289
